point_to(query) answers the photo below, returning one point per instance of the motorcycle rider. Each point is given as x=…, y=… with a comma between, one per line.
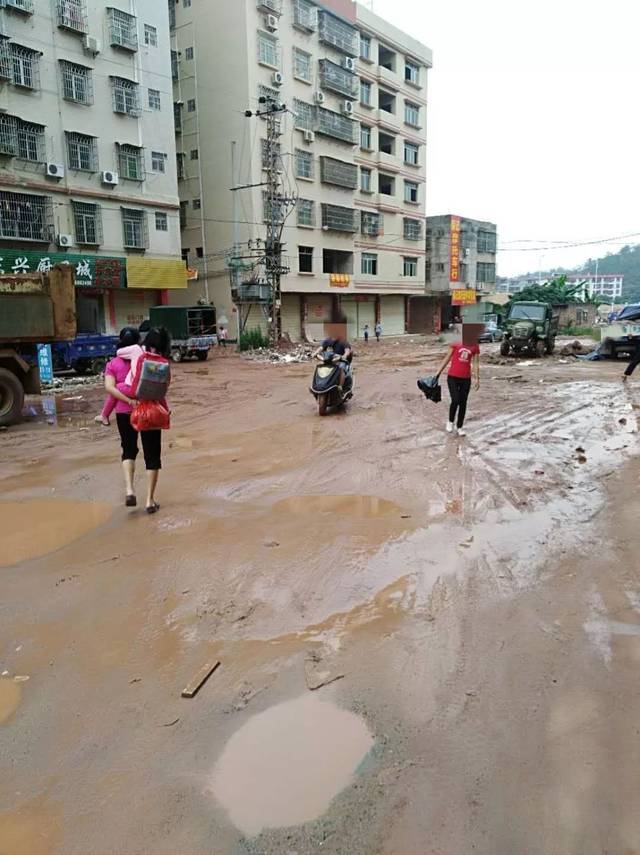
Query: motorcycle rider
x=342, y=354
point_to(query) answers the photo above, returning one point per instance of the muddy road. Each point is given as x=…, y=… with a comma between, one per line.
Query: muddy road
x=428, y=644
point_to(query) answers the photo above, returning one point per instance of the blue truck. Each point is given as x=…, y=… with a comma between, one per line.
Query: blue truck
x=87, y=353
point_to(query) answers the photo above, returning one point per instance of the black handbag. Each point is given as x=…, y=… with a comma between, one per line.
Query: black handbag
x=431, y=388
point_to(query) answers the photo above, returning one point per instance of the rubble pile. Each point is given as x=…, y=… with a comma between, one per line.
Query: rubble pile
x=299, y=353
x=62, y=384
x=576, y=348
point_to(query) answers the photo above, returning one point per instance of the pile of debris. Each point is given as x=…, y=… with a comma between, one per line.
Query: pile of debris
x=61, y=384
x=576, y=348
x=297, y=353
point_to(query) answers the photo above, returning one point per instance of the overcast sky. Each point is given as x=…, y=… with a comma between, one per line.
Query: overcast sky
x=533, y=119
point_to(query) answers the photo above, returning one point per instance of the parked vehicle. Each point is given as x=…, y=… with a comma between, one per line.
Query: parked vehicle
x=530, y=327
x=491, y=332
x=35, y=308
x=326, y=387
x=192, y=329
x=86, y=354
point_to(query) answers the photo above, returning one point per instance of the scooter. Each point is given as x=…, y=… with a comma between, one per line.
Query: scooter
x=326, y=387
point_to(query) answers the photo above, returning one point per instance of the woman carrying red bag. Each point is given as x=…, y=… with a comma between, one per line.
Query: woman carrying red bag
x=157, y=341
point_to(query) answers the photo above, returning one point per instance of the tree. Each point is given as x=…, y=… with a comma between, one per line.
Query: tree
x=557, y=292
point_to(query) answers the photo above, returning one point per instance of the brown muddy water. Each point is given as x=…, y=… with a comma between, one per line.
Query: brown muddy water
x=359, y=507
x=285, y=765
x=10, y=695
x=57, y=522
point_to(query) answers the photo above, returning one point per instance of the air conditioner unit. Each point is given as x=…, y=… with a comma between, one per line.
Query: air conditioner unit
x=110, y=178
x=349, y=63
x=319, y=97
x=55, y=170
x=347, y=108
x=92, y=44
x=64, y=241
x=271, y=23
x=277, y=78
x=308, y=136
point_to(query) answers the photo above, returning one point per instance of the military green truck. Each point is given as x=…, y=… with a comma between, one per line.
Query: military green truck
x=530, y=328
x=35, y=308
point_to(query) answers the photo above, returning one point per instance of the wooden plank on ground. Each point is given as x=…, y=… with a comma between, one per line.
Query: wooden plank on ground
x=199, y=680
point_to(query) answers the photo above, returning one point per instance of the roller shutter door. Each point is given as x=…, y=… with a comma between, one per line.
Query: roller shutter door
x=318, y=314
x=366, y=315
x=350, y=311
x=290, y=315
x=392, y=315
x=132, y=307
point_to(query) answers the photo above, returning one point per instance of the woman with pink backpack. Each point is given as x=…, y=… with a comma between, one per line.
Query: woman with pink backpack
x=124, y=377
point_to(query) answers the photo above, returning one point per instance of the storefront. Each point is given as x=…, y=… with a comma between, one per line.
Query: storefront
x=359, y=310
x=392, y=314
x=290, y=316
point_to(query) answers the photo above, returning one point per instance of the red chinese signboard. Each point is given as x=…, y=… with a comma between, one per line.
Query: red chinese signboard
x=463, y=297
x=454, y=257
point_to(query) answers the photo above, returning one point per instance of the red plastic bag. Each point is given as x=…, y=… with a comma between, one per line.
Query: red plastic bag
x=150, y=415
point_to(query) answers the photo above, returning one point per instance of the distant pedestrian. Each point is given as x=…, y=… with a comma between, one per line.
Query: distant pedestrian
x=461, y=357
x=635, y=359
x=366, y=333
x=223, y=335
x=378, y=331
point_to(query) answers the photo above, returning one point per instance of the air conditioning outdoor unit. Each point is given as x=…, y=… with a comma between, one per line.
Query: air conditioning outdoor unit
x=319, y=97
x=271, y=23
x=349, y=63
x=64, y=241
x=308, y=136
x=91, y=44
x=110, y=178
x=347, y=108
x=277, y=78
x=55, y=170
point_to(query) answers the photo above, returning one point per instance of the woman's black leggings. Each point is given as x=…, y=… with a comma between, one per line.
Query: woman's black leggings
x=459, y=388
x=151, y=442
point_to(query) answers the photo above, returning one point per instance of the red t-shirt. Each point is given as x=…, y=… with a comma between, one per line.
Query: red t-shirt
x=460, y=365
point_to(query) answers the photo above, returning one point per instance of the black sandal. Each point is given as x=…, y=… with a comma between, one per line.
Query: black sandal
x=130, y=501
x=152, y=509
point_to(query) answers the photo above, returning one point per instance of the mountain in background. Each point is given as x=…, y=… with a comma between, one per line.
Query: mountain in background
x=626, y=261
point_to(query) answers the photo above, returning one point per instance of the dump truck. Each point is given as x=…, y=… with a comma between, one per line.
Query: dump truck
x=35, y=308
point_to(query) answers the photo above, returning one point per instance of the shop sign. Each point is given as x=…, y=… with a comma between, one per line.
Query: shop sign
x=45, y=363
x=463, y=297
x=339, y=280
x=90, y=271
x=454, y=259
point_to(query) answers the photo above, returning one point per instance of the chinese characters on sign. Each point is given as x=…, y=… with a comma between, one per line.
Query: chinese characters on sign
x=463, y=297
x=90, y=271
x=45, y=363
x=454, y=259
x=339, y=280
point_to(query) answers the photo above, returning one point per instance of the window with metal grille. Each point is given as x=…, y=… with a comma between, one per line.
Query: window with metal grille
x=5, y=60
x=188, y=54
x=183, y=215
x=130, y=162
x=369, y=264
x=77, y=82
x=154, y=99
x=191, y=105
x=409, y=266
x=8, y=135
x=411, y=192
x=485, y=272
x=20, y=5
x=25, y=67
x=335, y=125
x=371, y=223
x=339, y=173
x=197, y=204
x=158, y=161
x=411, y=154
x=306, y=213
x=366, y=183
x=31, y=142
x=305, y=259
x=268, y=50
x=337, y=33
x=386, y=185
x=304, y=115
x=365, y=137
x=339, y=219
x=72, y=15
x=175, y=65
x=305, y=15
x=162, y=222
x=337, y=79
x=88, y=223
x=273, y=6
x=412, y=73
x=177, y=118
x=180, y=158
x=302, y=65
x=82, y=152
x=412, y=229
x=134, y=229
x=273, y=209
x=365, y=47
x=365, y=93
x=150, y=35
x=412, y=114
x=194, y=154
x=487, y=241
x=126, y=96
x=172, y=14
x=303, y=164
x=25, y=217
x=123, y=29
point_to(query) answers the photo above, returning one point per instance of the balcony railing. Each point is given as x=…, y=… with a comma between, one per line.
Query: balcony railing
x=26, y=217
x=338, y=34
x=123, y=30
x=25, y=6
x=412, y=230
x=340, y=219
x=72, y=15
x=305, y=16
x=338, y=79
x=338, y=172
x=335, y=125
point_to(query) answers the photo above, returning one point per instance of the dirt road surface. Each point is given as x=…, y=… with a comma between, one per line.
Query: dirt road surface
x=428, y=644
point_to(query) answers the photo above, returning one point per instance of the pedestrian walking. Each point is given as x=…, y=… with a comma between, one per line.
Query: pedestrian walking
x=116, y=374
x=460, y=359
x=128, y=337
x=635, y=359
x=378, y=331
x=223, y=335
x=366, y=333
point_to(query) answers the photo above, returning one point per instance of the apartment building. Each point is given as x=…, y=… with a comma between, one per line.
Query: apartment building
x=609, y=286
x=87, y=152
x=352, y=156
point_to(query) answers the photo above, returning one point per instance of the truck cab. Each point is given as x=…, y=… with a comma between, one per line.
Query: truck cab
x=530, y=327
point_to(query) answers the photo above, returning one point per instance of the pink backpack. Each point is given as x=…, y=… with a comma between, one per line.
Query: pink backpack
x=151, y=380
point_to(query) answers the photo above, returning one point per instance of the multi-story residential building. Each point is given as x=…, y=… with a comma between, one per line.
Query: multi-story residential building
x=87, y=152
x=606, y=285
x=352, y=149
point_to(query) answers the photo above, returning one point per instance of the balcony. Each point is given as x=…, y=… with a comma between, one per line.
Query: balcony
x=339, y=173
x=335, y=125
x=123, y=32
x=339, y=219
x=388, y=162
x=388, y=78
x=337, y=79
x=25, y=6
x=271, y=7
x=72, y=15
x=388, y=120
x=305, y=16
x=337, y=34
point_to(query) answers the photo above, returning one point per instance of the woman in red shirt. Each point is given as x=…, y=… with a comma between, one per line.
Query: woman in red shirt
x=460, y=359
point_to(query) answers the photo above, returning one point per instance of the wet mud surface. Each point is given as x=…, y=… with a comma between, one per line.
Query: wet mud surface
x=428, y=644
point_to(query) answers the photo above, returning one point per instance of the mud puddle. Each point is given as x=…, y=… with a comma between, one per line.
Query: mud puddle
x=285, y=765
x=57, y=522
x=359, y=507
x=10, y=696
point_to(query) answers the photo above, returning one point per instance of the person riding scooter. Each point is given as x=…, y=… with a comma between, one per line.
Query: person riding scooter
x=342, y=354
